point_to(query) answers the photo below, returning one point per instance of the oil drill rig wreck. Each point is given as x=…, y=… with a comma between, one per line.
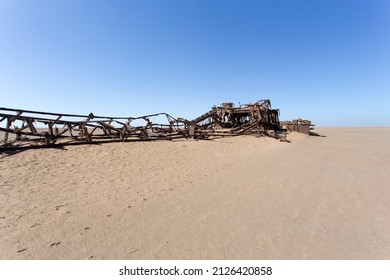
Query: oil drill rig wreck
x=24, y=129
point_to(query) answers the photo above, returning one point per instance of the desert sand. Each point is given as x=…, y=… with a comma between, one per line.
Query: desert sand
x=232, y=198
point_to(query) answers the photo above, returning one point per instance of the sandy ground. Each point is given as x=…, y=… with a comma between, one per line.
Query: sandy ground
x=233, y=198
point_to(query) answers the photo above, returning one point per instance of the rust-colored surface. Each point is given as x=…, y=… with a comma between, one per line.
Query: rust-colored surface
x=32, y=129
x=299, y=125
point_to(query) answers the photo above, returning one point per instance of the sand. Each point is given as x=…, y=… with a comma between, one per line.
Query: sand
x=233, y=198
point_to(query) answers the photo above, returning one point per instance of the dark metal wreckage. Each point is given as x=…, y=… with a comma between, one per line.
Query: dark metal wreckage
x=24, y=129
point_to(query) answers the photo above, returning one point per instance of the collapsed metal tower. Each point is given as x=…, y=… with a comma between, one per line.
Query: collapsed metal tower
x=32, y=129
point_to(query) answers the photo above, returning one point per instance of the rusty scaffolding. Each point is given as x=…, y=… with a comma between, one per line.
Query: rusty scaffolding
x=24, y=129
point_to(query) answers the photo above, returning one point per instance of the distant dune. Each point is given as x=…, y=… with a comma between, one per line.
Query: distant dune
x=232, y=198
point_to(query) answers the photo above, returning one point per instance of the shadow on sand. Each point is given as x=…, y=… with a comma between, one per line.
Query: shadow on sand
x=6, y=151
x=316, y=134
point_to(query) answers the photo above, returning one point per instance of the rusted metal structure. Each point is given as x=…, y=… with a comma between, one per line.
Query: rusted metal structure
x=299, y=125
x=32, y=129
x=245, y=119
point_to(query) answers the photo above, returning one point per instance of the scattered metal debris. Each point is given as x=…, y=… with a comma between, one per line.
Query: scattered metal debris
x=32, y=129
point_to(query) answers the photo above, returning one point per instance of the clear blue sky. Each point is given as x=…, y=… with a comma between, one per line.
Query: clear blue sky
x=328, y=61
